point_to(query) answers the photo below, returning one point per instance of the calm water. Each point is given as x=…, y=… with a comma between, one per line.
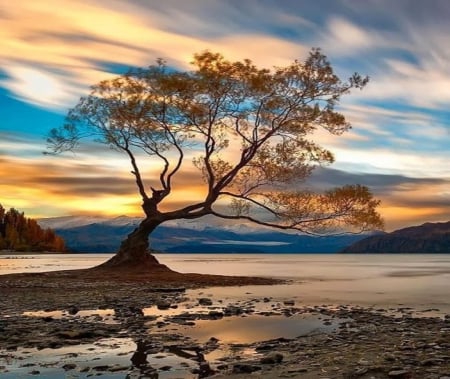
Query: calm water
x=391, y=281
x=421, y=281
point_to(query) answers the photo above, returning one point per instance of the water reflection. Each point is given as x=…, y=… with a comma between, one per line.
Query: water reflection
x=255, y=328
x=419, y=280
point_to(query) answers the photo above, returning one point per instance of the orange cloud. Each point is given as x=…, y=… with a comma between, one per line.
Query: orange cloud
x=416, y=203
x=66, y=49
x=45, y=188
x=397, y=217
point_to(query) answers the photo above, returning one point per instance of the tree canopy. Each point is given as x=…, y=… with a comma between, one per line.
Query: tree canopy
x=250, y=131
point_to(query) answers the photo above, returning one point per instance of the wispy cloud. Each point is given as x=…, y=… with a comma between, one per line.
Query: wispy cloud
x=405, y=199
x=51, y=58
x=71, y=186
x=399, y=144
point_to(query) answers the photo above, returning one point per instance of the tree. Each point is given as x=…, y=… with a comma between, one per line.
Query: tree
x=20, y=233
x=221, y=106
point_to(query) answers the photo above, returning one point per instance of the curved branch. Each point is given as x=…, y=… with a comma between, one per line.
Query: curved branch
x=253, y=201
x=263, y=223
x=137, y=174
x=179, y=161
x=294, y=226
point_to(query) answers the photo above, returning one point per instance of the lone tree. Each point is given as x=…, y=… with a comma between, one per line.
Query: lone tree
x=248, y=128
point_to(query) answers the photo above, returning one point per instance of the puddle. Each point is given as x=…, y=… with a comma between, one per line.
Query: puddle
x=256, y=328
x=122, y=357
x=109, y=358
x=49, y=363
x=181, y=309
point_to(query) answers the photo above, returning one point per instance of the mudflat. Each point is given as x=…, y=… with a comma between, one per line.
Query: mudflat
x=143, y=323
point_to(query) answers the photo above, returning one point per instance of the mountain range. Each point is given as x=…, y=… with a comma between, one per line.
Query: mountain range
x=97, y=234
x=426, y=238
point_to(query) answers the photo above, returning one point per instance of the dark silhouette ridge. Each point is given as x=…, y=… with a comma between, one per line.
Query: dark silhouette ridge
x=431, y=238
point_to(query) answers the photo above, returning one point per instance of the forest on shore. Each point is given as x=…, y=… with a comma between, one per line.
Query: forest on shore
x=20, y=233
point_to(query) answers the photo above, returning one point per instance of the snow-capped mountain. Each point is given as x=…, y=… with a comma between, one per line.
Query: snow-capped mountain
x=100, y=234
x=68, y=222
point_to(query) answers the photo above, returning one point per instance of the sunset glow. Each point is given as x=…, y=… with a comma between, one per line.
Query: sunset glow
x=399, y=144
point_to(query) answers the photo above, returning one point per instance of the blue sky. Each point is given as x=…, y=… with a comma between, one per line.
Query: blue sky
x=399, y=144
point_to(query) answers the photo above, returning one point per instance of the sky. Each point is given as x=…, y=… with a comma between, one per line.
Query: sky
x=399, y=144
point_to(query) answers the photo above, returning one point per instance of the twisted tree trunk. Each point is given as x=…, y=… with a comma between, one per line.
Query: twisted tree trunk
x=134, y=252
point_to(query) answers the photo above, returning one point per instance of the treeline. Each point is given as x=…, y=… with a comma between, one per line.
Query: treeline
x=20, y=233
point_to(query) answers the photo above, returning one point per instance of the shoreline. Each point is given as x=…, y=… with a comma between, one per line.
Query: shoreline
x=367, y=342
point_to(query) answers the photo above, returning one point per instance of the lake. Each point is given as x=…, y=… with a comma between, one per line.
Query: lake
x=390, y=282
x=419, y=281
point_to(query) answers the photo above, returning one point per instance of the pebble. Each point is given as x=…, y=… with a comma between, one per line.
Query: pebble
x=369, y=342
x=205, y=301
x=69, y=366
x=163, y=305
x=272, y=358
x=400, y=374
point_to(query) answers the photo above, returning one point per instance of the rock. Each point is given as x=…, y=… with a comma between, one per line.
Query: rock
x=80, y=334
x=232, y=310
x=28, y=365
x=245, y=368
x=73, y=310
x=266, y=346
x=389, y=357
x=272, y=358
x=117, y=368
x=101, y=368
x=432, y=362
x=205, y=301
x=290, y=303
x=34, y=372
x=168, y=290
x=136, y=311
x=361, y=371
x=215, y=315
x=297, y=369
x=69, y=366
x=163, y=305
x=400, y=374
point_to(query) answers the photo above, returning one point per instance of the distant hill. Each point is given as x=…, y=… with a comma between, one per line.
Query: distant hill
x=426, y=238
x=104, y=235
x=20, y=233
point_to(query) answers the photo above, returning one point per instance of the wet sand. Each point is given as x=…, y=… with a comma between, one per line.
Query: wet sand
x=52, y=326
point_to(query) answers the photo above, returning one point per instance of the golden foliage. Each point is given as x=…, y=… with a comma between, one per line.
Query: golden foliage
x=249, y=128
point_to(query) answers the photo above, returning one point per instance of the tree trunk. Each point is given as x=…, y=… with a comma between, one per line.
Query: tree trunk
x=134, y=253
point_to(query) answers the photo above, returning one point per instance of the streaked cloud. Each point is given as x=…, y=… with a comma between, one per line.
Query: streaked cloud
x=63, y=51
x=405, y=200
x=52, y=52
x=67, y=186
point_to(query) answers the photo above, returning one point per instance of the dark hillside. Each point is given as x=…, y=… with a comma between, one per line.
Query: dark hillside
x=431, y=238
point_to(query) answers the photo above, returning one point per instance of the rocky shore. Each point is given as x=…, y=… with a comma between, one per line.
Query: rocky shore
x=51, y=329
